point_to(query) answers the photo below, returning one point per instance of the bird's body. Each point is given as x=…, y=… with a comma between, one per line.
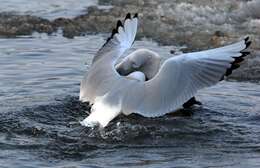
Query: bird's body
x=123, y=88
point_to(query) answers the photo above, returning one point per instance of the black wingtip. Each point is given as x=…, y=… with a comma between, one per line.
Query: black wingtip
x=238, y=60
x=114, y=31
x=128, y=16
x=236, y=63
x=108, y=39
x=244, y=53
x=247, y=38
x=248, y=43
x=136, y=15
x=119, y=24
x=235, y=66
x=228, y=72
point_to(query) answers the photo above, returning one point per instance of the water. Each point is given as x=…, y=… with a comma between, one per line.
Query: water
x=39, y=114
x=46, y=8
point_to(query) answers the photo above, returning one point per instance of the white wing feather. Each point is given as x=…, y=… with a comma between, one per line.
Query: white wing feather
x=101, y=77
x=180, y=77
x=121, y=39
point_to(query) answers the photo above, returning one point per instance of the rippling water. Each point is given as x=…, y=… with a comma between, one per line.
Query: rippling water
x=39, y=114
x=46, y=8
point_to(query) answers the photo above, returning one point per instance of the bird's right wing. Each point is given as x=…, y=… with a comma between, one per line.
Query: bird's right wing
x=101, y=76
x=182, y=76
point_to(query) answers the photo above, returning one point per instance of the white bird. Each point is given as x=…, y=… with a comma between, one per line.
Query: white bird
x=168, y=88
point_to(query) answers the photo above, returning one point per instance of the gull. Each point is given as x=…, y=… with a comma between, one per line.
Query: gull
x=139, y=85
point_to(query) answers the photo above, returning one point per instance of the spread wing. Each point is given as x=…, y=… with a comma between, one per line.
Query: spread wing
x=180, y=77
x=121, y=39
x=100, y=79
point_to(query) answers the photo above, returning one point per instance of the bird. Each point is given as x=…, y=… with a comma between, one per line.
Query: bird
x=141, y=84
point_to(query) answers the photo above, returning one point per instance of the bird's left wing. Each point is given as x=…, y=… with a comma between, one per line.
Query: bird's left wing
x=121, y=39
x=182, y=76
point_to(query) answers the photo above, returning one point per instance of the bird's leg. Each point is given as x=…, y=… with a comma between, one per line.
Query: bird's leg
x=192, y=101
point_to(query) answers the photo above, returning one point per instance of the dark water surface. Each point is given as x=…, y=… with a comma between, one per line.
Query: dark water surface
x=46, y=8
x=39, y=114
